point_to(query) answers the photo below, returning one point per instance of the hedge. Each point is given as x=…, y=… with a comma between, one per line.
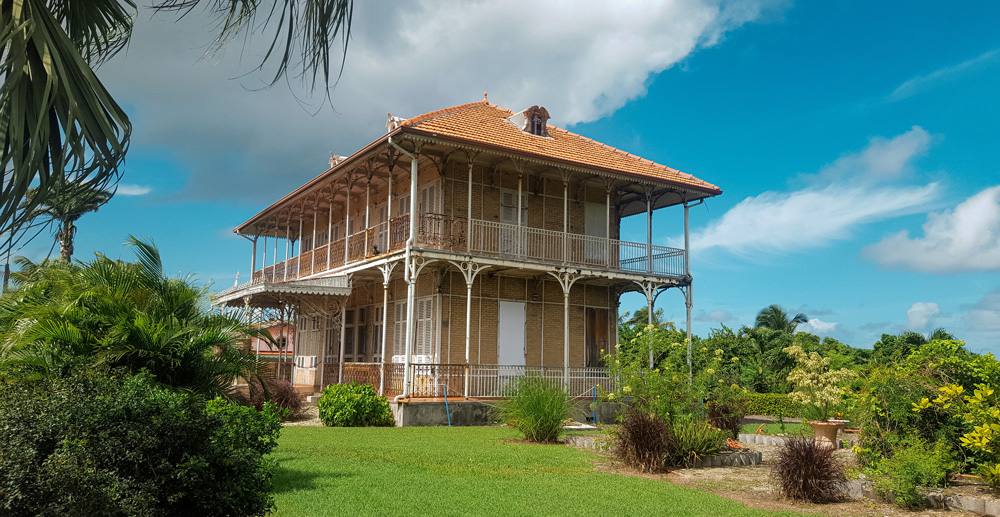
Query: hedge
x=772, y=404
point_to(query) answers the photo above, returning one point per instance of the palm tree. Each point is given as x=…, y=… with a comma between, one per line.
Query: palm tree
x=774, y=317
x=67, y=201
x=116, y=314
x=56, y=117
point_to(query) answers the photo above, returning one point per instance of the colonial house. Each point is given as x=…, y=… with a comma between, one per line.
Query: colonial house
x=465, y=247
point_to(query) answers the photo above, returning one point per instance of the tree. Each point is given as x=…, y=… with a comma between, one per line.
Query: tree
x=774, y=317
x=66, y=202
x=57, y=118
x=116, y=314
x=641, y=318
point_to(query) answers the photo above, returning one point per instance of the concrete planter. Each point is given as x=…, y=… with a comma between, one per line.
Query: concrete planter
x=826, y=432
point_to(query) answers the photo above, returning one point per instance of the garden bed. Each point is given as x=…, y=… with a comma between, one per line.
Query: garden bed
x=754, y=487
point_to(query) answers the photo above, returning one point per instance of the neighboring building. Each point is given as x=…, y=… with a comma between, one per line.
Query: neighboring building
x=467, y=246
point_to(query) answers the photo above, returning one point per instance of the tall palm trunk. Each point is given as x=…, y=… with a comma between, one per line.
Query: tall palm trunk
x=65, y=237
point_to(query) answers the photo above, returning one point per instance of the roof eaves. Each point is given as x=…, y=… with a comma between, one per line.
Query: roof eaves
x=704, y=187
x=343, y=165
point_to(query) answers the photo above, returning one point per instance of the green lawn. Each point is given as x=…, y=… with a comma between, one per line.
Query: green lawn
x=791, y=429
x=461, y=471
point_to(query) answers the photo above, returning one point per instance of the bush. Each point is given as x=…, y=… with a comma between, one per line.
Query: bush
x=353, y=405
x=127, y=446
x=693, y=440
x=279, y=392
x=643, y=441
x=808, y=471
x=772, y=404
x=912, y=466
x=726, y=412
x=536, y=408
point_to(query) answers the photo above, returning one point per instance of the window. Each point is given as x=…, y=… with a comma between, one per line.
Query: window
x=424, y=333
x=377, y=333
x=349, y=335
x=538, y=125
x=306, y=244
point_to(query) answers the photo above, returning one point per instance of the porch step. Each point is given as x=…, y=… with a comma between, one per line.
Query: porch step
x=311, y=399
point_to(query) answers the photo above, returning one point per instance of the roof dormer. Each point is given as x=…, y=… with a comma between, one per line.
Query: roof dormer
x=533, y=121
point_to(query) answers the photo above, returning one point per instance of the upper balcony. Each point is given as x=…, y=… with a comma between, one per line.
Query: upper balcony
x=483, y=238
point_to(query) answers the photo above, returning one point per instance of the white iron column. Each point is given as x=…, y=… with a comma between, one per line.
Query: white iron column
x=263, y=261
x=274, y=258
x=368, y=221
x=469, y=271
x=386, y=270
x=566, y=280
x=312, y=257
x=347, y=219
x=688, y=300
x=607, y=226
x=253, y=257
x=288, y=241
x=329, y=232
x=649, y=289
x=298, y=260
x=343, y=335
x=649, y=233
x=468, y=221
x=411, y=279
x=565, y=236
x=520, y=233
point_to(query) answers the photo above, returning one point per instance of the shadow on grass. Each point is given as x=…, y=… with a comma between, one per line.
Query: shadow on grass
x=288, y=479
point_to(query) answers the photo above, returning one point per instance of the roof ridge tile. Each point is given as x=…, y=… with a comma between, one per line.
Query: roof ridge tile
x=436, y=113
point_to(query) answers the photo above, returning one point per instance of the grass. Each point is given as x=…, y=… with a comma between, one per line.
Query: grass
x=791, y=429
x=462, y=471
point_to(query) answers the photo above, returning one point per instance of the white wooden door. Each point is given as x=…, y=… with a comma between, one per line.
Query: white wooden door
x=510, y=334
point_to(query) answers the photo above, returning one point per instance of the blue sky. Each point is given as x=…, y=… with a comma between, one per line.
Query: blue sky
x=856, y=142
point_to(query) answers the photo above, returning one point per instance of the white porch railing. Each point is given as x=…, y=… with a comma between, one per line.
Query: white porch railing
x=509, y=240
x=485, y=380
x=484, y=237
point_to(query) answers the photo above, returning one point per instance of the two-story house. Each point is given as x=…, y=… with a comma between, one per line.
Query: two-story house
x=467, y=246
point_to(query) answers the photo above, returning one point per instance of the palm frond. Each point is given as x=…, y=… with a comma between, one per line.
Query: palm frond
x=56, y=117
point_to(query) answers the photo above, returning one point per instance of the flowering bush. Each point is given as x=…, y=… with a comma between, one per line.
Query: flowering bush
x=981, y=411
x=814, y=383
x=663, y=390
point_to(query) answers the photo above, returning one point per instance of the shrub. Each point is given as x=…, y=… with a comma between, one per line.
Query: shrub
x=726, y=411
x=773, y=404
x=353, y=405
x=643, y=441
x=125, y=445
x=536, y=408
x=913, y=465
x=806, y=470
x=279, y=392
x=693, y=440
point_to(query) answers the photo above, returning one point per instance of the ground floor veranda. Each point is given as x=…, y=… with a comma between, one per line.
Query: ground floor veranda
x=456, y=329
x=449, y=381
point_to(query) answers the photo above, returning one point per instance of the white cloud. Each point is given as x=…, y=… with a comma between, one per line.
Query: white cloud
x=818, y=326
x=984, y=316
x=580, y=59
x=924, y=82
x=716, y=316
x=920, y=315
x=128, y=189
x=883, y=159
x=964, y=239
x=775, y=222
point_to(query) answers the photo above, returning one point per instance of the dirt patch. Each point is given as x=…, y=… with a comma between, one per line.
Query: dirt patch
x=754, y=487
x=307, y=416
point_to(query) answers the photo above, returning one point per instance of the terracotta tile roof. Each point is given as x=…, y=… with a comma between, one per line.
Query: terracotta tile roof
x=485, y=124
